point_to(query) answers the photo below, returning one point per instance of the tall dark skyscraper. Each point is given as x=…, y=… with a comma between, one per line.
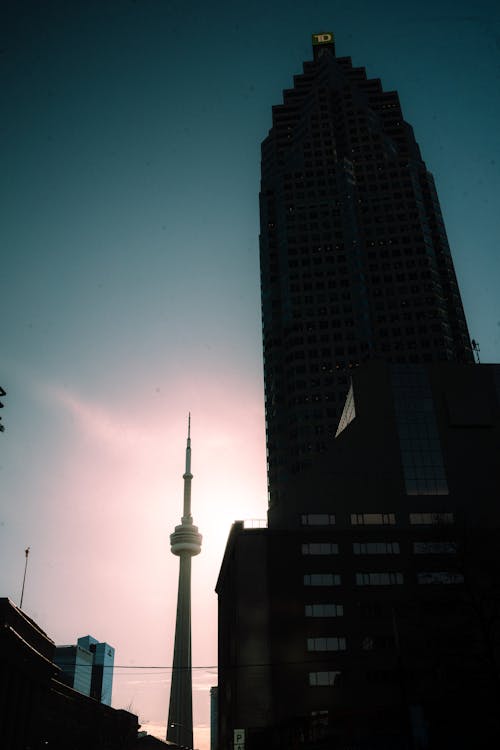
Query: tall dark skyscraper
x=365, y=615
x=355, y=263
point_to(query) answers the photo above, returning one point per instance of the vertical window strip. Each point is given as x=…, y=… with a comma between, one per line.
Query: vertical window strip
x=423, y=466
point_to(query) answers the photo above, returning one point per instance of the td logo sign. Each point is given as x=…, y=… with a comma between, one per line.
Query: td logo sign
x=324, y=38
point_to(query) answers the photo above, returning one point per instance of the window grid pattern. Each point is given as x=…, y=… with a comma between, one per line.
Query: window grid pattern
x=423, y=466
x=331, y=643
x=322, y=579
x=431, y=519
x=440, y=577
x=375, y=548
x=373, y=519
x=379, y=579
x=434, y=548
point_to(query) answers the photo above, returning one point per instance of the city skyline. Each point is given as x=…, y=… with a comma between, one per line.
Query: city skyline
x=131, y=288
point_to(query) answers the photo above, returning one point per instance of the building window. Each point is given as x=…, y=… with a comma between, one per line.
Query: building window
x=423, y=466
x=440, y=577
x=333, y=643
x=434, y=548
x=373, y=519
x=431, y=519
x=320, y=548
x=378, y=579
x=320, y=679
x=324, y=610
x=321, y=579
x=375, y=548
x=317, y=519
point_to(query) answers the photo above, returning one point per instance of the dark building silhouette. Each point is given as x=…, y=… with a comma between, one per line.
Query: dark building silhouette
x=355, y=263
x=366, y=615
x=38, y=709
x=374, y=623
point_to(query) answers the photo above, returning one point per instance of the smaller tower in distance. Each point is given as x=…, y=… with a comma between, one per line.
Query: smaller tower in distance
x=184, y=542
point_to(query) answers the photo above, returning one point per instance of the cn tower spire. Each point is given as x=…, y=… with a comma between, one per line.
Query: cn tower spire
x=188, y=476
x=184, y=542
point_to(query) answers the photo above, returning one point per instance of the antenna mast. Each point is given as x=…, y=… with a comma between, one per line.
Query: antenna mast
x=26, y=552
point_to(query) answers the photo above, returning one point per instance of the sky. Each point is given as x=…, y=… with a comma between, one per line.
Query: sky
x=129, y=283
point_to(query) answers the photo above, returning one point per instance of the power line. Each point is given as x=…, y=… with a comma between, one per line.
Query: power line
x=207, y=668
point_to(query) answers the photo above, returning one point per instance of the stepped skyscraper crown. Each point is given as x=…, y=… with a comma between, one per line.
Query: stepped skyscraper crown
x=355, y=262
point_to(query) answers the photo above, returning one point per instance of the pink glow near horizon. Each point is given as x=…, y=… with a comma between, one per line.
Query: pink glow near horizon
x=103, y=562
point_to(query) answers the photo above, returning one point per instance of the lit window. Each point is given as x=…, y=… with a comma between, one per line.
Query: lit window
x=373, y=519
x=320, y=679
x=439, y=576
x=320, y=548
x=324, y=610
x=431, y=519
x=333, y=643
x=434, y=548
x=321, y=579
x=317, y=519
x=375, y=548
x=378, y=579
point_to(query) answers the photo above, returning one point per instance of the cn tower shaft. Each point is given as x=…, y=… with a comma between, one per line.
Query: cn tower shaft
x=184, y=542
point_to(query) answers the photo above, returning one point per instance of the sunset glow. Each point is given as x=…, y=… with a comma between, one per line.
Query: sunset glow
x=130, y=158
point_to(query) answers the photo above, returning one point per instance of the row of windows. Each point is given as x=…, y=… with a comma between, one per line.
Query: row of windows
x=373, y=676
x=375, y=548
x=388, y=578
x=368, y=519
x=324, y=610
x=378, y=519
x=380, y=548
x=333, y=643
x=322, y=579
x=324, y=679
x=378, y=579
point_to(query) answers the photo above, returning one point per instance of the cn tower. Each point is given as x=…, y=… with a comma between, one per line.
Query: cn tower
x=184, y=542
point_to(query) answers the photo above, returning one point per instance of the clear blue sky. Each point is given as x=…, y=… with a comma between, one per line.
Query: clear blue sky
x=130, y=151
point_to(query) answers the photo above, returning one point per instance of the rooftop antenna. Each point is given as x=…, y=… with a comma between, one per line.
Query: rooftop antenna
x=476, y=349
x=26, y=552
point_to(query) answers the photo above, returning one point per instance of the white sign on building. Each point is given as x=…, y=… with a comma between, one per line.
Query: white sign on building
x=239, y=739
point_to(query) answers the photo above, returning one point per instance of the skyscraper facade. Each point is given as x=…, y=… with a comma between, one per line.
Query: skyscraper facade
x=185, y=542
x=355, y=262
x=103, y=659
x=88, y=667
x=76, y=666
x=364, y=615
